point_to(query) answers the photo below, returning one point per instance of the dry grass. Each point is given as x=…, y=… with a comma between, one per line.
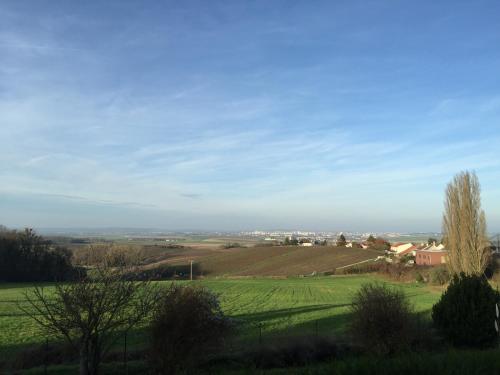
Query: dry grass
x=239, y=261
x=281, y=260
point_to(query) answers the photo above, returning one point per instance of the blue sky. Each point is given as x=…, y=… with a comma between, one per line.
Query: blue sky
x=345, y=115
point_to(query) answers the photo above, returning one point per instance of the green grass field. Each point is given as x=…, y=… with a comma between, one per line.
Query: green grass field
x=280, y=306
x=295, y=305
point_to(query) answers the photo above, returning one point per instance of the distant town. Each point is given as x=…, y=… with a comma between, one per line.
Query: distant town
x=264, y=235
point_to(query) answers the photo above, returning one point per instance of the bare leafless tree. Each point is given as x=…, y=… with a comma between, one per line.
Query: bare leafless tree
x=464, y=225
x=110, y=255
x=91, y=314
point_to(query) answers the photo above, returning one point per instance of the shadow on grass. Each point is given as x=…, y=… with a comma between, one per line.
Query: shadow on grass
x=56, y=351
x=286, y=313
x=260, y=328
x=24, y=285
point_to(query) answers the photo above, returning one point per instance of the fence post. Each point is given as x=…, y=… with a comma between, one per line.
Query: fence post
x=316, y=327
x=46, y=354
x=125, y=354
x=260, y=333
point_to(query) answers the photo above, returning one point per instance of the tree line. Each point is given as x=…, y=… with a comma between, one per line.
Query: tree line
x=26, y=257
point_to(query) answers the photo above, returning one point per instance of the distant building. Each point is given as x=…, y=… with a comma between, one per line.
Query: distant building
x=306, y=244
x=401, y=248
x=431, y=255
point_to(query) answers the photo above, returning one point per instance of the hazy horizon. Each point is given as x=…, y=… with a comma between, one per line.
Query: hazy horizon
x=234, y=115
x=86, y=230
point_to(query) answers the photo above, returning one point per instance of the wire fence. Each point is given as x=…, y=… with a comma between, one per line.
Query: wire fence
x=249, y=334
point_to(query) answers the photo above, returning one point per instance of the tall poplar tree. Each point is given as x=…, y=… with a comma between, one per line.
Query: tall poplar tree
x=464, y=226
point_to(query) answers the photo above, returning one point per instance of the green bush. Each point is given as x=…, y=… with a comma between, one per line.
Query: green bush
x=465, y=313
x=361, y=268
x=290, y=351
x=440, y=276
x=419, y=278
x=231, y=245
x=382, y=319
x=187, y=325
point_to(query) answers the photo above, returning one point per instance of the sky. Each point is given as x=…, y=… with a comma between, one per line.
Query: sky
x=242, y=115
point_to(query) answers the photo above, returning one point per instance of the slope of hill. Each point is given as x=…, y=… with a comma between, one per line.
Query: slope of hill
x=279, y=260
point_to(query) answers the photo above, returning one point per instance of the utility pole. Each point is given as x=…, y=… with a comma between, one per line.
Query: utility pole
x=191, y=274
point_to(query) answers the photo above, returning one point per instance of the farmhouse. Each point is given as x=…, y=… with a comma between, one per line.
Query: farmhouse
x=431, y=255
x=400, y=249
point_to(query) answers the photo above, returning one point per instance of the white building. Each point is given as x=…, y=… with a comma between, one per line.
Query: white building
x=403, y=248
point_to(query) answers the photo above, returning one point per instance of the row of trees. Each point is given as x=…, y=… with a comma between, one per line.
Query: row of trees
x=292, y=241
x=374, y=243
x=25, y=256
x=112, y=255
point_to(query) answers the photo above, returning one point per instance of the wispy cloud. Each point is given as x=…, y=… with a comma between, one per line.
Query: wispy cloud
x=293, y=115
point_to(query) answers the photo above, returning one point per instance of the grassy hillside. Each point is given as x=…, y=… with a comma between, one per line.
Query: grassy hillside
x=297, y=305
x=280, y=306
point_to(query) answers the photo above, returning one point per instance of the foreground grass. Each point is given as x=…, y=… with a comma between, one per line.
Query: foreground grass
x=134, y=367
x=271, y=306
x=466, y=362
x=452, y=362
x=460, y=362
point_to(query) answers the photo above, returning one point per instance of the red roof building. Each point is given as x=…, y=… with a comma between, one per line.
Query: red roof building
x=431, y=256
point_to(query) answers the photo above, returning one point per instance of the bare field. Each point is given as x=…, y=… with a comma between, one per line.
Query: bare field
x=253, y=258
x=272, y=261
